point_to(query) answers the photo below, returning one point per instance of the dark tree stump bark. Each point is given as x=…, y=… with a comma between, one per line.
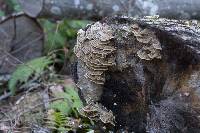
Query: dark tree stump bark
x=145, y=70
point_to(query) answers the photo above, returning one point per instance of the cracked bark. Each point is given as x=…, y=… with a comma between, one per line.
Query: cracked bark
x=94, y=9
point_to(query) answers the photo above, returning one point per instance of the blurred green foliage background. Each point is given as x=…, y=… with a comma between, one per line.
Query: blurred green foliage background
x=60, y=38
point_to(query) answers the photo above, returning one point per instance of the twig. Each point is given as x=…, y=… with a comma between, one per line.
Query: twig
x=31, y=85
x=17, y=116
x=9, y=119
x=5, y=96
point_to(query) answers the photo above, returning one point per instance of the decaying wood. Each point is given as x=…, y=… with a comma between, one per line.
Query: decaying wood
x=97, y=9
x=21, y=40
x=153, y=82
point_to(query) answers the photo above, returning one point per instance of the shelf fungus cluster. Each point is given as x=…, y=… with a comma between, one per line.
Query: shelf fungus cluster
x=150, y=44
x=98, y=112
x=96, y=49
x=124, y=74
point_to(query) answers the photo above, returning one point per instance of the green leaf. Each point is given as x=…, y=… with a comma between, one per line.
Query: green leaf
x=2, y=13
x=13, y=4
x=62, y=106
x=25, y=71
x=73, y=95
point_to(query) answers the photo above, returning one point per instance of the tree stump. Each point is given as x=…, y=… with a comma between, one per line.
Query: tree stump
x=144, y=70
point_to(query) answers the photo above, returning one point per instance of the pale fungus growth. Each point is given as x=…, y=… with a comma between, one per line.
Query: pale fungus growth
x=97, y=111
x=150, y=44
x=95, y=48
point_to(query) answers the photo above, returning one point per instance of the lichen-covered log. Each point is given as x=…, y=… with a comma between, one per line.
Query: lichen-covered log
x=145, y=73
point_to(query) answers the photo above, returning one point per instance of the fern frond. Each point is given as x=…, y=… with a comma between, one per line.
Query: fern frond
x=57, y=121
x=74, y=97
x=25, y=71
x=61, y=105
x=63, y=115
x=70, y=104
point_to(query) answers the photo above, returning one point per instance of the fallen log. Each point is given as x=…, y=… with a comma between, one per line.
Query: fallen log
x=97, y=9
x=22, y=39
x=143, y=72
